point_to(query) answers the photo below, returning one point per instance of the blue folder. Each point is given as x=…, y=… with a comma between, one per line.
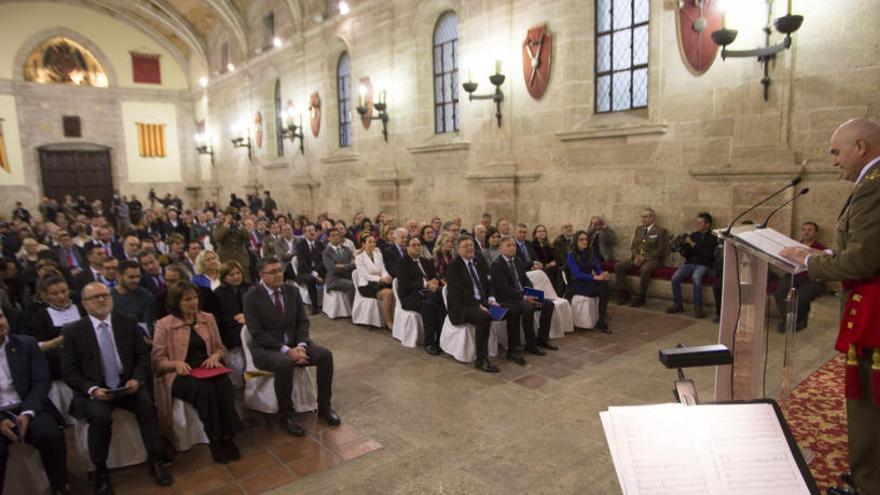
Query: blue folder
x=497, y=312
x=538, y=294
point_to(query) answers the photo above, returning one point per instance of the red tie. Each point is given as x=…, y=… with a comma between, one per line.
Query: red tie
x=278, y=306
x=70, y=262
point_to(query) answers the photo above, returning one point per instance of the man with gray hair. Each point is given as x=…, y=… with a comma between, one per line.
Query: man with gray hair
x=397, y=251
x=647, y=252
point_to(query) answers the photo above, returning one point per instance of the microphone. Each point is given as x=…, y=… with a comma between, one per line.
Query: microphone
x=791, y=183
x=783, y=205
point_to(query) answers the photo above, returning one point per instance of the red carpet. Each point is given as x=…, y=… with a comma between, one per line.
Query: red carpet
x=816, y=415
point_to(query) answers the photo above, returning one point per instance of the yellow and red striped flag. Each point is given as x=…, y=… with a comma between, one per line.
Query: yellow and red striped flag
x=151, y=140
x=4, y=161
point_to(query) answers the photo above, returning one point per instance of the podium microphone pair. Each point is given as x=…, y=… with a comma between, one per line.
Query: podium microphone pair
x=791, y=183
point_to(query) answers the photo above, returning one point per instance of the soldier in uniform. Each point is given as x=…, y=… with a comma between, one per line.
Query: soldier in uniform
x=855, y=146
x=647, y=252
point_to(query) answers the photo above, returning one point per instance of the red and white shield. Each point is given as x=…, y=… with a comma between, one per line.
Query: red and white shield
x=697, y=20
x=315, y=113
x=536, y=51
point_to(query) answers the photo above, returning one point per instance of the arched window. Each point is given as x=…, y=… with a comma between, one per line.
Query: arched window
x=446, y=117
x=621, y=76
x=279, y=122
x=343, y=92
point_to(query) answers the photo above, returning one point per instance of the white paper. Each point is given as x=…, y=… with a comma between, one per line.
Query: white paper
x=710, y=449
x=771, y=242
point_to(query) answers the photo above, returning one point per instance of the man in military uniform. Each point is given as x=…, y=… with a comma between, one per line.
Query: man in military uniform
x=647, y=252
x=855, y=146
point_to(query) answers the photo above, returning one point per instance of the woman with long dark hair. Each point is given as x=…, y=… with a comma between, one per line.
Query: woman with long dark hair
x=587, y=278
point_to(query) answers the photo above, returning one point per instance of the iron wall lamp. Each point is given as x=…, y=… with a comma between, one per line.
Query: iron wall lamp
x=242, y=139
x=203, y=146
x=497, y=79
x=291, y=130
x=786, y=25
x=380, y=105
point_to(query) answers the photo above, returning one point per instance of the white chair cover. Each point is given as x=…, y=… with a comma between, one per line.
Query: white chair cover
x=24, y=471
x=365, y=311
x=235, y=361
x=460, y=341
x=562, y=321
x=188, y=427
x=336, y=305
x=126, y=446
x=303, y=290
x=61, y=396
x=585, y=310
x=259, y=385
x=408, y=327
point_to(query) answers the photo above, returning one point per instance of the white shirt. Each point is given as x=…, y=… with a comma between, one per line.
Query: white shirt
x=370, y=270
x=271, y=292
x=61, y=317
x=9, y=397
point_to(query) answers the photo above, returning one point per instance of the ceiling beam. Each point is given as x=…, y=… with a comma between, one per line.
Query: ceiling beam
x=229, y=15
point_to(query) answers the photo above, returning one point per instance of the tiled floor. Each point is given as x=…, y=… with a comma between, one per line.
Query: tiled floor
x=433, y=425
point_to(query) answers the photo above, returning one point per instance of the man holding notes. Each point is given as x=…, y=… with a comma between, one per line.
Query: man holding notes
x=855, y=146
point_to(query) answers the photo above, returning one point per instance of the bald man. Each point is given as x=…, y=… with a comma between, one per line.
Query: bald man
x=855, y=147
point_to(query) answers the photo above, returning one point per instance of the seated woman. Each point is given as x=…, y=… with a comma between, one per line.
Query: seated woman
x=207, y=270
x=428, y=238
x=442, y=254
x=186, y=339
x=228, y=307
x=542, y=250
x=376, y=279
x=587, y=277
x=52, y=310
x=493, y=245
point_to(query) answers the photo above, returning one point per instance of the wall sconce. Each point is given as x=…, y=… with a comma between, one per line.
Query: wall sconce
x=203, y=146
x=497, y=79
x=241, y=138
x=786, y=25
x=291, y=130
x=380, y=105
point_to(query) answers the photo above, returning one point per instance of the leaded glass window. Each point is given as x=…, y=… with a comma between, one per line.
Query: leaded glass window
x=446, y=116
x=343, y=92
x=621, y=55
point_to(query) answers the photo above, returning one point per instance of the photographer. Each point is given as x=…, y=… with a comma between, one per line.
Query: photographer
x=698, y=249
x=230, y=241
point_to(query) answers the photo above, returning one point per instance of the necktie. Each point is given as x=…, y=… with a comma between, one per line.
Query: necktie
x=476, y=279
x=160, y=283
x=276, y=295
x=525, y=252
x=515, y=275
x=339, y=251
x=108, y=356
x=70, y=262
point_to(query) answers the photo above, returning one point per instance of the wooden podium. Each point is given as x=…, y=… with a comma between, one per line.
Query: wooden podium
x=748, y=253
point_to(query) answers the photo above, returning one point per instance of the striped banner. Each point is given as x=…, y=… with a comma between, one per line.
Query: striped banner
x=151, y=140
x=4, y=161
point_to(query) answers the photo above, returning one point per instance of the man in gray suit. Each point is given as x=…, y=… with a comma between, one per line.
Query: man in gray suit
x=339, y=263
x=285, y=246
x=279, y=328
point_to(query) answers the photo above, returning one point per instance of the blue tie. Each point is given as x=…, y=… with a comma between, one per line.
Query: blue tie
x=108, y=356
x=476, y=279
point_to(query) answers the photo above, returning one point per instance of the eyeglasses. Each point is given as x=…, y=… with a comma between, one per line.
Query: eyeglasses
x=97, y=296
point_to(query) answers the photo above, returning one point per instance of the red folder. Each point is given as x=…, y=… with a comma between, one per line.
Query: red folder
x=204, y=373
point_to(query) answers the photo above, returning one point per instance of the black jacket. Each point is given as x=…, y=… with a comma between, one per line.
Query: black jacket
x=266, y=327
x=460, y=288
x=229, y=302
x=308, y=262
x=391, y=256
x=410, y=281
x=703, y=250
x=30, y=374
x=503, y=283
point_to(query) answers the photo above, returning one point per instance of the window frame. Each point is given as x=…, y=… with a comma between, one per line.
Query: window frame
x=440, y=103
x=269, y=30
x=632, y=68
x=279, y=124
x=344, y=108
x=224, y=57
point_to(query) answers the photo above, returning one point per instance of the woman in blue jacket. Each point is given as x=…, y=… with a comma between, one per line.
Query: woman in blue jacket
x=587, y=278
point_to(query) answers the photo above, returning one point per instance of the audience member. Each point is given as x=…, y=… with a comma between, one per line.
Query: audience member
x=185, y=340
x=68, y=255
x=285, y=246
x=230, y=241
x=395, y=252
x=808, y=290
x=542, y=252
x=587, y=278
x=493, y=246
x=95, y=255
x=647, y=253
x=480, y=237
x=45, y=319
x=109, y=272
x=105, y=361
x=278, y=324
x=503, y=227
x=338, y=263
x=229, y=310
x=427, y=238
x=131, y=246
x=524, y=251
x=152, y=278
x=207, y=270
x=443, y=254
x=419, y=289
x=310, y=270
x=193, y=248
x=602, y=239
x=375, y=281
x=698, y=250
x=132, y=300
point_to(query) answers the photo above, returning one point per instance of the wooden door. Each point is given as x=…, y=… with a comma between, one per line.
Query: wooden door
x=78, y=173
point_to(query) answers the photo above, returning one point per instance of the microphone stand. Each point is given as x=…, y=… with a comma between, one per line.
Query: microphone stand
x=791, y=183
x=783, y=205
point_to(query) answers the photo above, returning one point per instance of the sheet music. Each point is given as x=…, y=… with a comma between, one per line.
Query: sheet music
x=712, y=449
x=771, y=242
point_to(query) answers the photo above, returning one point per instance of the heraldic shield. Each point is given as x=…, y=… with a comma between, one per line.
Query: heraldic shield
x=536, y=52
x=697, y=20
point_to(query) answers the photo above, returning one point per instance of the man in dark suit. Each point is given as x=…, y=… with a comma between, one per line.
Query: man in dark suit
x=105, y=361
x=275, y=317
x=468, y=299
x=309, y=265
x=131, y=246
x=396, y=252
x=94, y=256
x=524, y=250
x=419, y=289
x=508, y=279
x=152, y=278
x=112, y=249
x=68, y=254
x=26, y=414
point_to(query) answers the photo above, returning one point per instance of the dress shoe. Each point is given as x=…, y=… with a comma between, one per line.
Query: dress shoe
x=432, y=349
x=849, y=480
x=103, y=485
x=315, y=310
x=698, y=312
x=218, y=452
x=636, y=302
x=231, y=449
x=289, y=424
x=516, y=357
x=623, y=299
x=841, y=490
x=536, y=350
x=602, y=326
x=486, y=365
x=547, y=345
x=160, y=475
x=675, y=308
x=716, y=319
x=330, y=416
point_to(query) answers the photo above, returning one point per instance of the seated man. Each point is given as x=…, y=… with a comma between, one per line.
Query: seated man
x=602, y=239
x=24, y=399
x=807, y=289
x=699, y=253
x=524, y=250
x=420, y=290
x=109, y=272
x=468, y=299
x=105, y=361
x=309, y=265
x=339, y=263
x=95, y=255
x=396, y=252
x=647, y=252
x=508, y=279
x=132, y=300
x=275, y=317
